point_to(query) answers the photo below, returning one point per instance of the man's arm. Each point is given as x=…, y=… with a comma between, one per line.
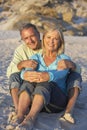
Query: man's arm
x=66, y=64
x=27, y=64
x=19, y=61
x=12, y=68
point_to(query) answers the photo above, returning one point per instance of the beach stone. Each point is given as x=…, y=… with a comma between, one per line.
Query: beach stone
x=17, y=128
x=68, y=16
x=12, y=117
x=10, y=127
x=51, y=11
x=68, y=33
x=39, y=2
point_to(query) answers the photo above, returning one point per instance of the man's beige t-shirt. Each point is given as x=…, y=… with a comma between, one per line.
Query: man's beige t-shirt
x=21, y=53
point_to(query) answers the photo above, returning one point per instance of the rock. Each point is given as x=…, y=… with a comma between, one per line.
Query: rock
x=12, y=117
x=38, y=3
x=10, y=127
x=68, y=16
x=46, y=11
x=69, y=33
x=10, y=22
x=41, y=13
x=80, y=33
x=47, y=24
x=24, y=9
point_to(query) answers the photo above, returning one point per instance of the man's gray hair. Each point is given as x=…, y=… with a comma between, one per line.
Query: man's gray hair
x=27, y=26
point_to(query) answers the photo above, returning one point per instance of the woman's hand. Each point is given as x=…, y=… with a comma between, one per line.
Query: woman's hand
x=37, y=77
x=66, y=64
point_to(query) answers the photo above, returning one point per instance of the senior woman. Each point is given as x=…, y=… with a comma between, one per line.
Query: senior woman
x=40, y=93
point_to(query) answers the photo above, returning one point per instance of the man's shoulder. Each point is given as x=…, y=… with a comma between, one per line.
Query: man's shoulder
x=21, y=47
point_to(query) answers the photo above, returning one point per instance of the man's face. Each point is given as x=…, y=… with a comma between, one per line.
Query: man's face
x=31, y=38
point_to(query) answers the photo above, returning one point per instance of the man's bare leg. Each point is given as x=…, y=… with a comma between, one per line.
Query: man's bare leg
x=14, y=94
x=13, y=115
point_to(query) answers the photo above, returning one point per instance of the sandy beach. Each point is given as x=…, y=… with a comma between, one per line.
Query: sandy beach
x=76, y=48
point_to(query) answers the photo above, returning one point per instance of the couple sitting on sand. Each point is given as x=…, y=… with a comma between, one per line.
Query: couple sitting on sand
x=42, y=79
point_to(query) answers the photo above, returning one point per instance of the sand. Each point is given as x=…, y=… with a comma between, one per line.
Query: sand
x=76, y=47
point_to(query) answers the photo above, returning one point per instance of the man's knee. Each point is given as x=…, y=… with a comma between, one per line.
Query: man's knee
x=15, y=80
x=15, y=77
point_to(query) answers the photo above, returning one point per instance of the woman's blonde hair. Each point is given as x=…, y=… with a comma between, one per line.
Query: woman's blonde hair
x=61, y=47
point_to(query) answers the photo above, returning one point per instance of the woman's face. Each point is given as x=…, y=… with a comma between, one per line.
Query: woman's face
x=52, y=41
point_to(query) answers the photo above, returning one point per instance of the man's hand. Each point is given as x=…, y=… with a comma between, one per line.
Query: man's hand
x=27, y=64
x=37, y=77
x=65, y=64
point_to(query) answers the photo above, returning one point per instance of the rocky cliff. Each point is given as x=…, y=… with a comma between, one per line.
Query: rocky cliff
x=69, y=15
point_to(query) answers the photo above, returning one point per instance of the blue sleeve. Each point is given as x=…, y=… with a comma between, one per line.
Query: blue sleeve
x=23, y=71
x=65, y=57
x=35, y=57
x=57, y=74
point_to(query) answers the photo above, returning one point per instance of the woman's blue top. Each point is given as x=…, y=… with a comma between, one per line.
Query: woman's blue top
x=57, y=76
